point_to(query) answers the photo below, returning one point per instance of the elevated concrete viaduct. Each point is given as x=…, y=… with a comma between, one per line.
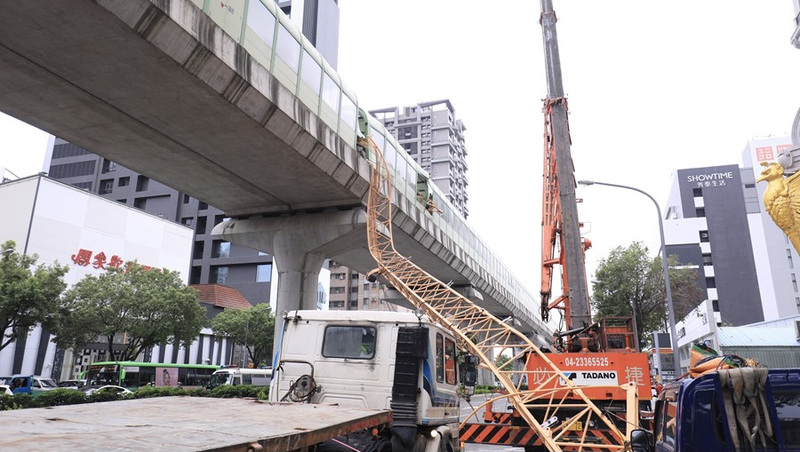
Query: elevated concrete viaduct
x=158, y=86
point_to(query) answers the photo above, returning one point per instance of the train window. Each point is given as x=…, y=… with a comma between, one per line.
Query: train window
x=330, y=93
x=288, y=49
x=450, y=362
x=379, y=140
x=349, y=342
x=261, y=22
x=349, y=112
x=401, y=170
x=311, y=73
x=439, y=358
x=411, y=176
x=422, y=188
x=438, y=200
x=390, y=154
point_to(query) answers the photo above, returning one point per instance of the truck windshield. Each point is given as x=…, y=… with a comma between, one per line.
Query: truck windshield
x=46, y=383
x=787, y=404
x=219, y=379
x=349, y=342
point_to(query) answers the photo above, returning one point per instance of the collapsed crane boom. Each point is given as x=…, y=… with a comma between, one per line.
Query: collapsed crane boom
x=481, y=333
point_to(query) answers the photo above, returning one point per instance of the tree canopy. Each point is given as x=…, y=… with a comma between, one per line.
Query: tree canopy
x=629, y=283
x=29, y=293
x=504, y=363
x=139, y=306
x=252, y=327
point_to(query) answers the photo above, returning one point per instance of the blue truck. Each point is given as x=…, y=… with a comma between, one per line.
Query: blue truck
x=31, y=384
x=730, y=410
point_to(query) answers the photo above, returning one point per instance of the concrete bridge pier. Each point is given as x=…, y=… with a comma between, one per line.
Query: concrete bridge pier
x=300, y=244
x=298, y=270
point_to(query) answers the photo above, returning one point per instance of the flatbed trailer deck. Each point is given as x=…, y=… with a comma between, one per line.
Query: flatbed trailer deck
x=182, y=424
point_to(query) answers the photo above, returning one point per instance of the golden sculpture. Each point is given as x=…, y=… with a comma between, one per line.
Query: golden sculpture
x=782, y=200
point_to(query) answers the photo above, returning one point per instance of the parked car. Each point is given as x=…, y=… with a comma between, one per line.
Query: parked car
x=114, y=389
x=6, y=390
x=72, y=384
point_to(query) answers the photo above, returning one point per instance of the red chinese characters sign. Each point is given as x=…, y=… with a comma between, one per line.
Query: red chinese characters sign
x=764, y=153
x=85, y=258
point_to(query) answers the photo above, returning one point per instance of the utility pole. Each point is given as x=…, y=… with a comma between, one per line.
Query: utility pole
x=573, y=253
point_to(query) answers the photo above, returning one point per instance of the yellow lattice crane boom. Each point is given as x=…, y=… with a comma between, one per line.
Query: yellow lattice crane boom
x=481, y=333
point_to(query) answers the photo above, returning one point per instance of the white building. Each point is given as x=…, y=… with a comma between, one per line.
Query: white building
x=64, y=224
x=716, y=222
x=777, y=262
x=774, y=343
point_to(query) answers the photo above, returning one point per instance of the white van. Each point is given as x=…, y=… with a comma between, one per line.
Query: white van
x=240, y=376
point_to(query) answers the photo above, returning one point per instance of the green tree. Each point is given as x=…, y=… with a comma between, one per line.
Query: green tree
x=252, y=327
x=142, y=307
x=686, y=293
x=29, y=293
x=503, y=363
x=630, y=284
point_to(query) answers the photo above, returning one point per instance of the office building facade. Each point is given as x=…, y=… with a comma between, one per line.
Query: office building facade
x=351, y=291
x=213, y=261
x=86, y=233
x=778, y=263
x=716, y=223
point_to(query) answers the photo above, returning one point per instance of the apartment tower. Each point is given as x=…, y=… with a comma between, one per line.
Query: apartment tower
x=432, y=135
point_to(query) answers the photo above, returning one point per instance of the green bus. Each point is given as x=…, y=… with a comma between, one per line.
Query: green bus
x=135, y=374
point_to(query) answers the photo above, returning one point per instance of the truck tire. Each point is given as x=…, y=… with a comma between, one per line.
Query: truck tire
x=419, y=445
x=447, y=444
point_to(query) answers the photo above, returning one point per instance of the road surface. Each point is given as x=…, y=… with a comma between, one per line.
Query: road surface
x=476, y=401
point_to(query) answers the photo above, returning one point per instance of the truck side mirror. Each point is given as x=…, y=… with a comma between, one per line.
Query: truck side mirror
x=641, y=441
x=470, y=377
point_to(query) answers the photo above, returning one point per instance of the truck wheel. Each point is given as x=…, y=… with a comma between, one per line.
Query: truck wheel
x=447, y=444
x=380, y=445
x=419, y=445
x=535, y=449
x=396, y=446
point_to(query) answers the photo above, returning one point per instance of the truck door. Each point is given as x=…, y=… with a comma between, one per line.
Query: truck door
x=21, y=385
x=787, y=407
x=665, y=421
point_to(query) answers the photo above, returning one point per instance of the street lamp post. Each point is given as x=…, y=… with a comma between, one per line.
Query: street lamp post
x=673, y=333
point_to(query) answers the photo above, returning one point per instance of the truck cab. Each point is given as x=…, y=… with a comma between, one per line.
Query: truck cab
x=368, y=359
x=31, y=384
x=699, y=414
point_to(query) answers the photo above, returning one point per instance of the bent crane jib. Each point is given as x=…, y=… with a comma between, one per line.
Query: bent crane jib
x=481, y=333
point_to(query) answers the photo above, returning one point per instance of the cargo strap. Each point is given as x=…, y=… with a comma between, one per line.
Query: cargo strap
x=746, y=405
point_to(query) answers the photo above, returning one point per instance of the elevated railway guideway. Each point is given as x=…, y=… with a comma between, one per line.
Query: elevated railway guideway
x=230, y=104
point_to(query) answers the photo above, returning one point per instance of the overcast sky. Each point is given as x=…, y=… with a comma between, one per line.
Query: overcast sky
x=652, y=87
